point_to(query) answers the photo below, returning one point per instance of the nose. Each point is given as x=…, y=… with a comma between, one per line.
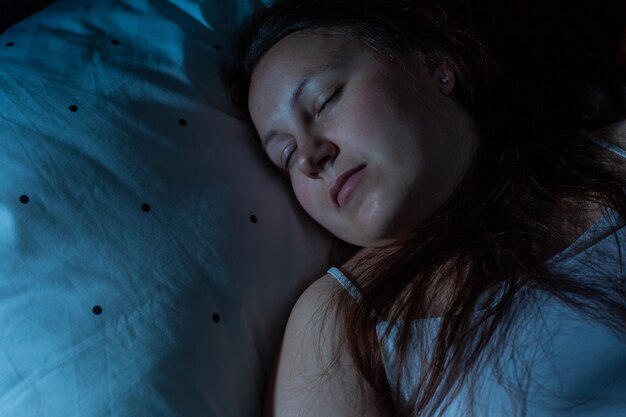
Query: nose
x=314, y=154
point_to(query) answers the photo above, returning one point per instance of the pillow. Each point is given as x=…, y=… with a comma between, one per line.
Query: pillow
x=149, y=255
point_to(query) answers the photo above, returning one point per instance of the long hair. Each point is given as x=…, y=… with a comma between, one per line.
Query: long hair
x=489, y=243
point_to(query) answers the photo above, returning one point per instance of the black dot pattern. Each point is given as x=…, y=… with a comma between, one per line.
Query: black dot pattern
x=253, y=219
x=25, y=199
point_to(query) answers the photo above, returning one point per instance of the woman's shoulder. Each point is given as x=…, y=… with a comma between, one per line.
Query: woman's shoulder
x=314, y=376
x=316, y=298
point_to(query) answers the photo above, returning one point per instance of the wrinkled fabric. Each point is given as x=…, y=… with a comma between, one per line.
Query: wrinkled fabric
x=149, y=255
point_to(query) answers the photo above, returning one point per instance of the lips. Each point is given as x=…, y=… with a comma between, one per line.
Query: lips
x=337, y=192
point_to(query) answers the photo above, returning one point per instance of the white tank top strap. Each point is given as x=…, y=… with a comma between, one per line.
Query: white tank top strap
x=354, y=291
x=602, y=142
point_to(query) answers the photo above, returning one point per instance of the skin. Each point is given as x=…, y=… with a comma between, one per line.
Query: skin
x=395, y=118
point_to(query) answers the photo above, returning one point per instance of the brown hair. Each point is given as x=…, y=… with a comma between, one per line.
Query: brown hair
x=488, y=245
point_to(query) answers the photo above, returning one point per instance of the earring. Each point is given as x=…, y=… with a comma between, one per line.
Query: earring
x=444, y=80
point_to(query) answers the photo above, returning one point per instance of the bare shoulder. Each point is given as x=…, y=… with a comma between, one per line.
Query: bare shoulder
x=313, y=319
x=315, y=297
x=314, y=376
x=313, y=326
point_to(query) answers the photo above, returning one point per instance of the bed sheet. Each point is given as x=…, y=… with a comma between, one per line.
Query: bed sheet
x=149, y=255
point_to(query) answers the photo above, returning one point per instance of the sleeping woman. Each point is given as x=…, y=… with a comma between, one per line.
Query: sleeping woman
x=489, y=274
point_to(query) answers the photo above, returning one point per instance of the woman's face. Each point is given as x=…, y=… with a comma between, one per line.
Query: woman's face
x=372, y=147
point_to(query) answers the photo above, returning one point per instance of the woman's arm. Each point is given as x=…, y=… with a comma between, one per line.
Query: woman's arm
x=308, y=379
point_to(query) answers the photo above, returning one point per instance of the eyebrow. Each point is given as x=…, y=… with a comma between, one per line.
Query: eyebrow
x=297, y=92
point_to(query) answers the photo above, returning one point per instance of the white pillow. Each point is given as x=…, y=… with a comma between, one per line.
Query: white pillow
x=149, y=256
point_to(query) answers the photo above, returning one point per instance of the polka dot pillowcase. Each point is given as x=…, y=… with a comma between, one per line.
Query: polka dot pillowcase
x=149, y=255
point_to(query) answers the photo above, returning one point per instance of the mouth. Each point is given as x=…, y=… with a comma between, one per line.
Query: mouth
x=344, y=184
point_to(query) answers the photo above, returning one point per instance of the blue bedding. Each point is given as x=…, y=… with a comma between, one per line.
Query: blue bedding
x=149, y=256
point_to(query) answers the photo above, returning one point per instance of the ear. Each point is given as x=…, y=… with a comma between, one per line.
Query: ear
x=443, y=75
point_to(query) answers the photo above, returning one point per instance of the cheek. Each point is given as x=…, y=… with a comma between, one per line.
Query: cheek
x=309, y=198
x=375, y=116
x=364, y=111
x=316, y=203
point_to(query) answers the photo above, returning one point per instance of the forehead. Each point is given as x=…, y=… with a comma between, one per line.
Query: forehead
x=305, y=51
x=295, y=57
x=300, y=54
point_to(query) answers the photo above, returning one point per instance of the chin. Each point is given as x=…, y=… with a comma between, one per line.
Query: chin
x=376, y=225
x=372, y=237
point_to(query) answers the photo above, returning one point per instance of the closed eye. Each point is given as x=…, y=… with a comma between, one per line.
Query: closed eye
x=330, y=99
x=289, y=152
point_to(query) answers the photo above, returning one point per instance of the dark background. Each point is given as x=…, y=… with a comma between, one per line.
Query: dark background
x=579, y=43
x=14, y=11
x=594, y=28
